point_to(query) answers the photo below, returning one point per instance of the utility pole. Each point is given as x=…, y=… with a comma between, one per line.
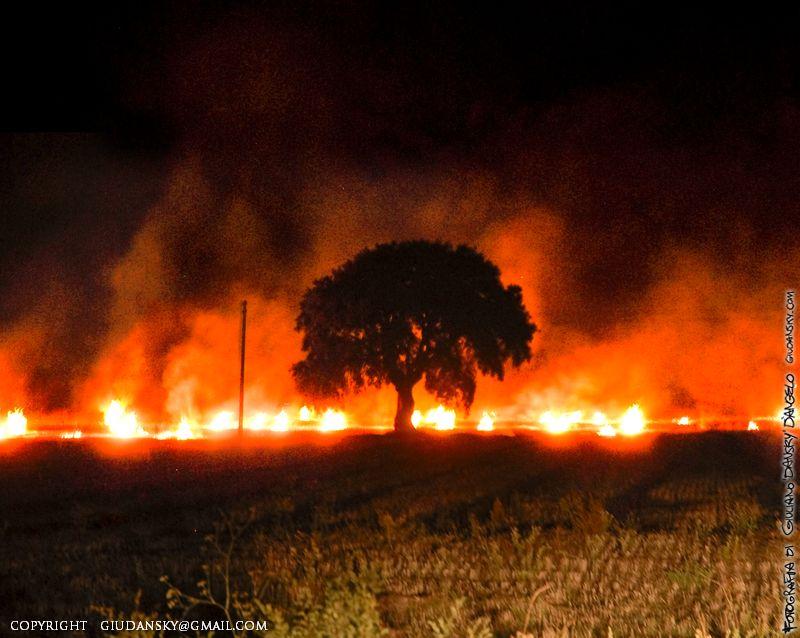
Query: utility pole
x=241, y=370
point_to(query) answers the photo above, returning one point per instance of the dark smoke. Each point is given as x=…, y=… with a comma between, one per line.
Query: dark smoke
x=253, y=150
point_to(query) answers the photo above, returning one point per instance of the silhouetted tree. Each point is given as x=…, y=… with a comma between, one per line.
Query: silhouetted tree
x=403, y=311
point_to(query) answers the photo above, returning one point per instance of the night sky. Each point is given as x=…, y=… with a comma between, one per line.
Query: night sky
x=152, y=129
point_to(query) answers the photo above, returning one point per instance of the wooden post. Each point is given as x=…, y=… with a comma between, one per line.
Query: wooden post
x=241, y=369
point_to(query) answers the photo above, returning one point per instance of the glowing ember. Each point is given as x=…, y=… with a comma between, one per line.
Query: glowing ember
x=752, y=426
x=306, y=414
x=222, y=421
x=632, y=422
x=684, y=420
x=333, y=420
x=416, y=418
x=559, y=423
x=281, y=421
x=486, y=424
x=441, y=418
x=16, y=424
x=607, y=431
x=120, y=422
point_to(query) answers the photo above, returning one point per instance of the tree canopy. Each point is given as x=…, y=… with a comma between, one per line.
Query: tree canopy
x=402, y=312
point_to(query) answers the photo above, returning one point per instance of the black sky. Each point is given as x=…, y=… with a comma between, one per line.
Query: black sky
x=404, y=81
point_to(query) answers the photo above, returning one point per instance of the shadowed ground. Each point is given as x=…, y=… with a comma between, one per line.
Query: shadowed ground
x=436, y=536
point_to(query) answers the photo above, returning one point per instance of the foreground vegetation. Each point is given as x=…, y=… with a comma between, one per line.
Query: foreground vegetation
x=451, y=537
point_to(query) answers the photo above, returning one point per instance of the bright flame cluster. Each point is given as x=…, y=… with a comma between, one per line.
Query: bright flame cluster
x=439, y=417
x=15, y=424
x=332, y=421
x=486, y=424
x=123, y=423
x=183, y=432
x=631, y=423
x=559, y=423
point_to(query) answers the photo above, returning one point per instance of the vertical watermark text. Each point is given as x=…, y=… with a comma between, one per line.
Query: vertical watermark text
x=788, y=471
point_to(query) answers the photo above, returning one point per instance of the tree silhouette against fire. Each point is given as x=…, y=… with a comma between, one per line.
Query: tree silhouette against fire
x=404, y=311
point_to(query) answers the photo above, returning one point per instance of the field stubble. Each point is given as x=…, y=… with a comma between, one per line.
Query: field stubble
x=442, y=537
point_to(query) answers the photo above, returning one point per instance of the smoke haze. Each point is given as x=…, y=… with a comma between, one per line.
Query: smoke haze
x=644, y=215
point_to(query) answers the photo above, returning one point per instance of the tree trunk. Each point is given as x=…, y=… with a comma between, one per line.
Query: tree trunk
x=405, y=408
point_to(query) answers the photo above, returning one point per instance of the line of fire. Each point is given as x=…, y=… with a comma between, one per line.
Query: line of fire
x=399, y=316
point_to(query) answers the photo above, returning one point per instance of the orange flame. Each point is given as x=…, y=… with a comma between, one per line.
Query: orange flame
x=633, y=421
x=558, y=423
x=439, y=417
x=120, y=422
x=183, y=432
x=486, y=424
x=333, y=420
x=223, y=420
x=16, y=424
x=280, y=422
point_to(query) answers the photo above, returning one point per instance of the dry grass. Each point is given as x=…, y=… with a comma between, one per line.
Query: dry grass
x=463, y=537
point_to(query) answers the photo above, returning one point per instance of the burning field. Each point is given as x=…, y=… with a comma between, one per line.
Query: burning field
x=171, y=369
x=652, y=271
x=121, y=422
x=413, y=321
